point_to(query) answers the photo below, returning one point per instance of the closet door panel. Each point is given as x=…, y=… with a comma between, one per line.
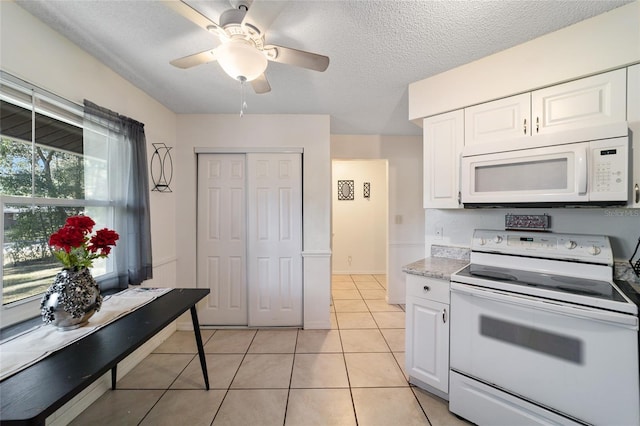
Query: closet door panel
x=274, y=239
x=221, y=240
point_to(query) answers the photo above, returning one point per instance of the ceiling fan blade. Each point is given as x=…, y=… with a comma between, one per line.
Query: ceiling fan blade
x=193, y=15
x=195, y=59
x=262, y=13
x=261, y=85
x=299, y=58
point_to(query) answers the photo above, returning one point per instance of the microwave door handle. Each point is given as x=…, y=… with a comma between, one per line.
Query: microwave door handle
x=581, y=170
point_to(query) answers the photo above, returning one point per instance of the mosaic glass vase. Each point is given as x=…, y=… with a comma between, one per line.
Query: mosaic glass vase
x=71, y=300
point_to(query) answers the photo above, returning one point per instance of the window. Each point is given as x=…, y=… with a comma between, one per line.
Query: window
x=49, y=170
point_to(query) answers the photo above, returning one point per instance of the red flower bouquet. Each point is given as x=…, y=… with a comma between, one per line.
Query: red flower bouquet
x=73, y=246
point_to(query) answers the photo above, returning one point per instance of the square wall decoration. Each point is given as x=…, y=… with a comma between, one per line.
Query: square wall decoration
x=345, y=190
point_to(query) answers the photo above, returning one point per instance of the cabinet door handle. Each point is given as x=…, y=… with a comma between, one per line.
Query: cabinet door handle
x=636, y=189
x=537, y=124
x=525, y=126
x=426, y=288
x=444, y=316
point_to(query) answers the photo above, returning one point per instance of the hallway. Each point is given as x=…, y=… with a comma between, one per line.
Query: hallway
x=349, y=375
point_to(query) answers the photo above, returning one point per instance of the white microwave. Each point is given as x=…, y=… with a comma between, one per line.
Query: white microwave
x=573, y=174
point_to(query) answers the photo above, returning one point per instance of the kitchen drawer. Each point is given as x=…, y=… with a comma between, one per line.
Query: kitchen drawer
x=428, y=288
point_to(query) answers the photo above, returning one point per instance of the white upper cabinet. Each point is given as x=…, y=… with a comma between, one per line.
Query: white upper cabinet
x=598, y=100
x=590, y=101
x=633, y=117
x=443, y=142
x=504, y=119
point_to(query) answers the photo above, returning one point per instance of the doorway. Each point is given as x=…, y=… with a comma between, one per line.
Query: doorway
x=360, y=220
x=249, y=238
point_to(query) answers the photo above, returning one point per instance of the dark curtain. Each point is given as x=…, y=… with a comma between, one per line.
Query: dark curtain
x=138, y=214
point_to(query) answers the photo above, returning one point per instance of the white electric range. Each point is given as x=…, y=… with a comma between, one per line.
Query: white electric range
x=541, y=334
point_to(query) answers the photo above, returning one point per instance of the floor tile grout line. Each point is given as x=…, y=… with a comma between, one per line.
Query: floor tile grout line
x=420, y=405
x=293, y=365
x=295, y=353
x=259, y=388
x=233, y=378
x=346, y=369
x=392, y=354
x=333, y=387
x=166, y=390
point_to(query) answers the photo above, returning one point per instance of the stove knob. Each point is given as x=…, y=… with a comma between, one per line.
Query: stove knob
x=497, y=239
x=594, y=250
x=482, y=241
x=570, y=245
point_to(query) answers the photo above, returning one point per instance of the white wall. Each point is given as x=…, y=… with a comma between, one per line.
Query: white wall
x=598, y=44
x=359, y=226
x=309, y=132
x=33, y=52
x=406, y=214
x=621, y=225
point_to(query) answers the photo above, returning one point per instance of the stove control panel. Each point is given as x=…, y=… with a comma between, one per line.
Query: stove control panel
x=576, y=247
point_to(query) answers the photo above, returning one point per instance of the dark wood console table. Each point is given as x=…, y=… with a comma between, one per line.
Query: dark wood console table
x=33, y=394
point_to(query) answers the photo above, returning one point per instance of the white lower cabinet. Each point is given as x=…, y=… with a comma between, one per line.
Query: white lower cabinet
x=427, y=333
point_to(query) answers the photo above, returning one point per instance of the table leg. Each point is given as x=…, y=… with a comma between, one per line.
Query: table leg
x=196, y=330
x=114, y=375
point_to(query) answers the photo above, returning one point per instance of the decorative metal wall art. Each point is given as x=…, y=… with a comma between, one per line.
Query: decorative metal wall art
x=161, y=167
x=533, y=222
x=367, y=190
x=345, y=190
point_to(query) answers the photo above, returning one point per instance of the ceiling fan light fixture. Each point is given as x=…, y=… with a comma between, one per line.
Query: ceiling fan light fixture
x=240, y=60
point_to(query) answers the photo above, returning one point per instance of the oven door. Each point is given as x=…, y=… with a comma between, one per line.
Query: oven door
x=579, y=361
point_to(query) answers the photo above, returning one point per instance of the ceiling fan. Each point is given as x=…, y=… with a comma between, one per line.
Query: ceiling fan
x=243, y=54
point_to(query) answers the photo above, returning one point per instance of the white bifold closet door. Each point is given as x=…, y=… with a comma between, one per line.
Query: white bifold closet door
x=250, y=238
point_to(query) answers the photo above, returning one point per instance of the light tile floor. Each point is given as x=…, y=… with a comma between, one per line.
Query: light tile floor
x=349, y=375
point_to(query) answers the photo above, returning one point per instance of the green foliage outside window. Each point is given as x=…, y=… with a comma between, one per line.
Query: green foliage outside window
x=45, y=172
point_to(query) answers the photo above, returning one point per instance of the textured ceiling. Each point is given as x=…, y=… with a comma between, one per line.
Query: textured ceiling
x=377, y=48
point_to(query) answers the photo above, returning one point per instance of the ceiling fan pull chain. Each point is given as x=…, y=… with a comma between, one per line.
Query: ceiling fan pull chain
x=243, y=102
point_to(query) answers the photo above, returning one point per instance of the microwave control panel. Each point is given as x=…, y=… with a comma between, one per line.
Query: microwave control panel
x=609, y=169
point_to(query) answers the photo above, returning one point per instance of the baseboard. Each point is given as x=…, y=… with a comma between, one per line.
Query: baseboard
x=65, y=414
x=318, y=325
x=422, y=385
x=397, y=301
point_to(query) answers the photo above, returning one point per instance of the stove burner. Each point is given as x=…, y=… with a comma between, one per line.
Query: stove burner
x=571, y=280
x=564, y=284
x=496, y=275
x=578, y=290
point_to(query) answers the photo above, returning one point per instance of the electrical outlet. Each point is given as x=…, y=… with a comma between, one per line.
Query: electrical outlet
x=438, y=233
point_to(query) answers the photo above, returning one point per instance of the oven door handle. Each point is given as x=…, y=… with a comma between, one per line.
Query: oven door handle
x=629, y=321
